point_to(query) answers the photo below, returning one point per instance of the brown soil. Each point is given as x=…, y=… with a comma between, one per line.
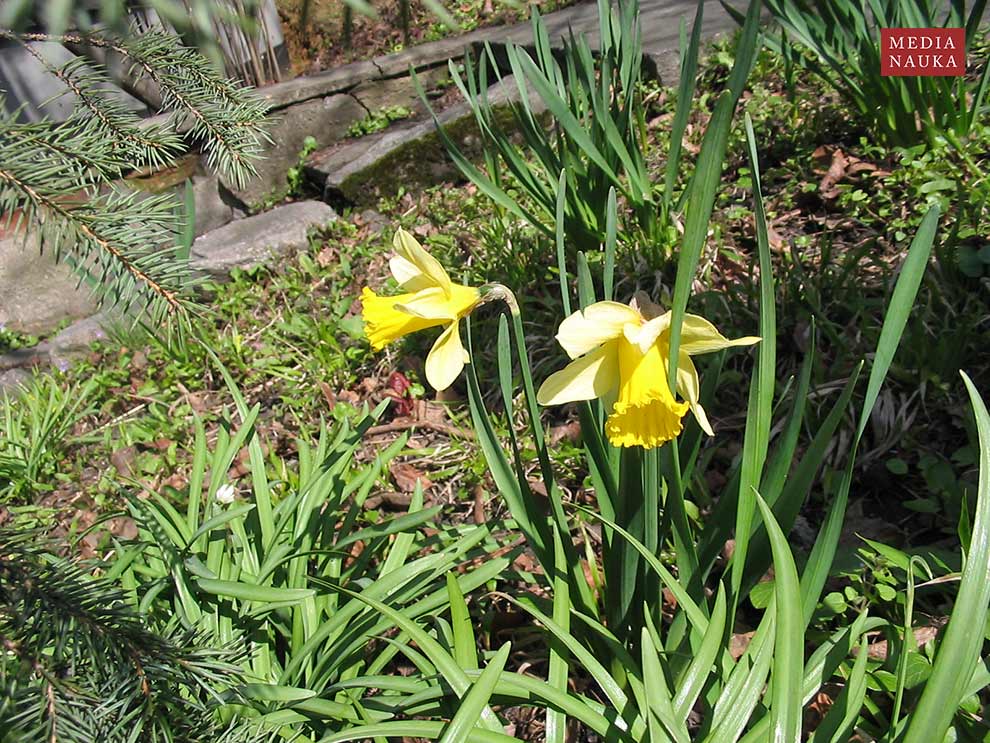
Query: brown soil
x=319, y=37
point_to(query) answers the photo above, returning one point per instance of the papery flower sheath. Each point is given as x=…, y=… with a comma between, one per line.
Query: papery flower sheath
x=623, y=351
x=430, y=299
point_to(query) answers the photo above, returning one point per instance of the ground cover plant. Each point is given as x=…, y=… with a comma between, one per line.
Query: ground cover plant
x=837, y=41
x=495, y=562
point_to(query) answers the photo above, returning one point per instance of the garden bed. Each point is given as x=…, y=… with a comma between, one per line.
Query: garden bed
x=292, y=335
x=284, y=352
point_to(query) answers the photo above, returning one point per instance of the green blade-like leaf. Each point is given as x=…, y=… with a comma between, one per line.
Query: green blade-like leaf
x=465, y=647
x=250, y=592
x=838, y=723
x=706, y=180
x=696, y=674
x=661, y=706
x=444, y=662
x=785, y=702
x=556, y=726
x=901, y=302
x=475, y=702
x=756, y=439
x=960, y=647
x=685, y=96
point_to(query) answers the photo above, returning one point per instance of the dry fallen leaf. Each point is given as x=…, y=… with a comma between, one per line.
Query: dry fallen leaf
x=836, y=171
x=328, y=394
x=123, y=461
x=566, y=432
x=327, y=256
x=922, y=636
x=739, y=642
x=406, y=476
x=427, y=410
x=480, y=499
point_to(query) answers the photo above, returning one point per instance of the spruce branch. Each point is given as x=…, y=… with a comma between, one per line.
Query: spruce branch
x=62, y=178
x=227, y=121
x=153, y=147
x=78, y=664
x=116, y=240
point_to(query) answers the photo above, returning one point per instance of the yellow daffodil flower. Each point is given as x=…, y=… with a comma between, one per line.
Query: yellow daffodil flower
x=624, y=350
x=430, y=299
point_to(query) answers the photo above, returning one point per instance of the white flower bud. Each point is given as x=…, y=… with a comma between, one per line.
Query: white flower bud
x=226, y=493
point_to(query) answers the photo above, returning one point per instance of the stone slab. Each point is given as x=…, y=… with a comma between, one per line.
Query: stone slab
x=421, y=56
x=375, y=95
x=325, y=119
x=338, y=80
x=211, y=209
x=12, y=379
x=241, y=244
x=36, y=293
x=259, y=239
x=346, y=77
x=411, y=154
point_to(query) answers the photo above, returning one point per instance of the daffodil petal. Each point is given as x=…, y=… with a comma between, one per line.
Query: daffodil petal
x=594, y=325
x=646, y=334
x=446, y=359
x=645, y=413
x=429, y=304
x=408, y=275
x=384, y=322
x=689, y=387
x=700, y=336
x=429, y=268
x=591, y=376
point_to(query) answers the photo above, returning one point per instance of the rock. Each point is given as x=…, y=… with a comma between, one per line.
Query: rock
x=78, y=337
x=164, y=179
x=36, y=293
x=430, y=54
x=343, y=79
x=374, y=221
x=61, y=349
x=254, y=241
x=338, y=80
x=410, y=154
x=375, y=95
x=325, y=119
x=11, y=379
x=211, y=210
x=25, y=358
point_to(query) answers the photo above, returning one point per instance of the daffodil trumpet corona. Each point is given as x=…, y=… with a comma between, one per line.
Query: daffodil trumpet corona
x=622, y=352
x=429, y=299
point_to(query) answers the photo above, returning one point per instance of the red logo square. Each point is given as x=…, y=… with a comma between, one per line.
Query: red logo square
x=922, y=52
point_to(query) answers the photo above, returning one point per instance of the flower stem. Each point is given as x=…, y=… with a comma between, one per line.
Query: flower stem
x=498, y=292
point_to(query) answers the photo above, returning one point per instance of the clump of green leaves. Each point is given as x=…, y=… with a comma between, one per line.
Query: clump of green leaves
x=377, y=121
x=294, y=175
x=582, y=127
x=291, y=568
x=11, y=340
x=838, y=40
x=36, y=424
